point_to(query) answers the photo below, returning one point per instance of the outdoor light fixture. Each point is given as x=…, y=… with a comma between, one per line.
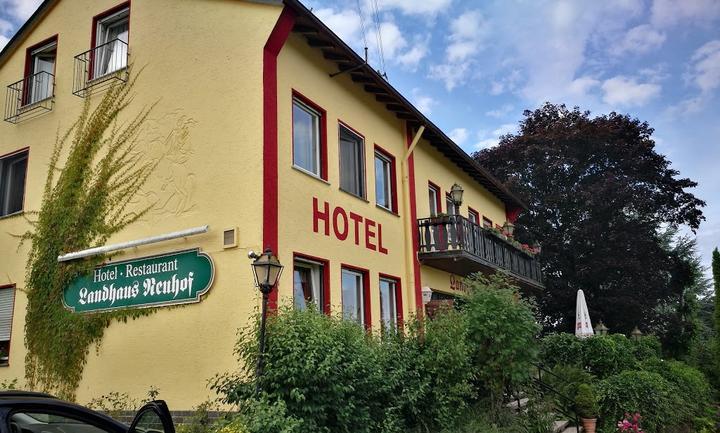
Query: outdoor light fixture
x=601, y=329
x=636, y=334
x=266, y=270
x=456, y=195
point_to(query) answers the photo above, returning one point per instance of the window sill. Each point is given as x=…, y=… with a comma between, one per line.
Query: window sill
x=310, y=174
x=11, y=215
x=355, y=195
x=387, y=210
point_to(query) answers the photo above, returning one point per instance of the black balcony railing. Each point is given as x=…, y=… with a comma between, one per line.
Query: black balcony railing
x=100, y=67
x=29, y=97
x=455, y=244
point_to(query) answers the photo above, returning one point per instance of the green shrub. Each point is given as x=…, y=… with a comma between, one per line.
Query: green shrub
x=566, y=379
x=586, y=401
x=693, y=387
x=602, y=355
x=647, y=347
x=646, y=392
x=502, y=333
x=560, y=349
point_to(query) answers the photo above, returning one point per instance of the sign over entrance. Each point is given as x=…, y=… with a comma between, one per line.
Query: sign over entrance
x=169, y=279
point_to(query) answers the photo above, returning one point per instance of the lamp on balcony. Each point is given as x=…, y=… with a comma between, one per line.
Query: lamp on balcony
x=456, y=195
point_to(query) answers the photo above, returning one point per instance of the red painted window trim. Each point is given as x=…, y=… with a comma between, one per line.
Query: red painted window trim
x=438, y=199
x=272, y=48
x=413, y=221
x=323, y=132
x=28, y=66
x=367, y=316
x=12, y=317
x=472, y=211
x=484, y=218
x=93, y=35
x=364, y=168
x=27, y=168
x=393, y=176
x=398, y=298
x=325, y=277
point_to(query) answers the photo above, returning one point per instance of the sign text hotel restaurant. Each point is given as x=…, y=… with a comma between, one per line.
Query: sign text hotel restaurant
x=168, y=279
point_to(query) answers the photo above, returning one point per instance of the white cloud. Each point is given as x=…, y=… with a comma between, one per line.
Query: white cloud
x=665, y=13
x=500, y=112
x=345, y=23
x=3, y=41
x=415, y=7
x=412, y=57
x=19, y=10
x=423, y=102
x=580, y=87
x=6, y=26
x=459, y=135
x=392, y=39
x=467, y=32
x=640, y=39
x=490, y=139
x=624, y=91
x=452, y=75
x=706, y=68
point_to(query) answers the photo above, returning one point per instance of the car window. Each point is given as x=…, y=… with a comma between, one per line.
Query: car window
x=39, y=422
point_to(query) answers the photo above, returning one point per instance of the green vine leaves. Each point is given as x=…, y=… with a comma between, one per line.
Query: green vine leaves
x=87, y=199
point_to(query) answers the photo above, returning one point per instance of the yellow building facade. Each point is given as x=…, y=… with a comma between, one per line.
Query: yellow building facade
x=293, y=143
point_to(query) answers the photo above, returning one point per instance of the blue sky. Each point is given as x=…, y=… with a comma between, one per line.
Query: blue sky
x=474, y=66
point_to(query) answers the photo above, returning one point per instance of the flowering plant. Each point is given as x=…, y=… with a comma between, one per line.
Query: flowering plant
x=630, y=424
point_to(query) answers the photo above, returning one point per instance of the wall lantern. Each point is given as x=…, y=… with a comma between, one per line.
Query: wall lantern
x=456, y=195
x=601, y=329
x=635, y=334
x=266, y=270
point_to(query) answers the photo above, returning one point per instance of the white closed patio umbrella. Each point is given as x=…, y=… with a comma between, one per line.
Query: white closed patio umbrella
x=583, y=326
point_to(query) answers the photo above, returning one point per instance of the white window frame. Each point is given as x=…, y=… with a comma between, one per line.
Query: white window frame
x=100, y=68
x=360, y=279
x=316, y=145
x=474, y=217
x=317, y=272
x=360, y=149
x=392, y=291
x=433, y=194
x=6, y=186
x=39, y=92
x=386, y=175
x=6, y=321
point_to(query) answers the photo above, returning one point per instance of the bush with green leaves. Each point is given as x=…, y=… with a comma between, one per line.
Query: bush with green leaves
x=646, y=392
x=693, y=387
x=566, y=379
x=586, y=402
x=502, y=333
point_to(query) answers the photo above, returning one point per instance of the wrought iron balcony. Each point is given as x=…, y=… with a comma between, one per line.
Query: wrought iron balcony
x=100, y=67
x=455, y=244
x=29, y=97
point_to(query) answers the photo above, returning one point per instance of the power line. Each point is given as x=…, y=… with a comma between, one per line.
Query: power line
x=378, y=36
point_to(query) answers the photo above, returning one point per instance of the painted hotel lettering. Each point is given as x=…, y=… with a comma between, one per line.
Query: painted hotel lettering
x=344, y=225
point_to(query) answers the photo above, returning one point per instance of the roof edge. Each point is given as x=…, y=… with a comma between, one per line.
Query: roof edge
x=22, y=32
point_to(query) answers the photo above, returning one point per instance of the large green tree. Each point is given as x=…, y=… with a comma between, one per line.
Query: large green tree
x=599, y=196
x=716, y=279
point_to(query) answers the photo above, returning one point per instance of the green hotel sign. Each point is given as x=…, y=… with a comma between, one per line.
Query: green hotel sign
x=169, y=279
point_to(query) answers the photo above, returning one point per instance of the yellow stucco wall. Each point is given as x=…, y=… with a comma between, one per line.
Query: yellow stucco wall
x=203, y=61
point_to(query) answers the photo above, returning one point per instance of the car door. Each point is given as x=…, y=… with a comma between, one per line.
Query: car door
x=154, y=417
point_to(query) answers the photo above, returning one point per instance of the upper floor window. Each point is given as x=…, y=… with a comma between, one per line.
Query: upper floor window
x=385, y=187
x=7, y=303
x=449, y=205
x=352, y=162
x=434, y=199
x=487, y=223
x=308, y=276
x=474, y=216
x=41, y=71
x=13, y=170
x=111, y=42
x=308, y=140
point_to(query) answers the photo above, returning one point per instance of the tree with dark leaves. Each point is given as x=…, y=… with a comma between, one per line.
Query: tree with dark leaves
x=599, y=196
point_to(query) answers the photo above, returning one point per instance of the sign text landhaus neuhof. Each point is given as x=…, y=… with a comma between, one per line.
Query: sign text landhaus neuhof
x=174, y=278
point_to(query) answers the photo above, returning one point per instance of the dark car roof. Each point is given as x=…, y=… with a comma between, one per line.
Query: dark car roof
x=30, y=400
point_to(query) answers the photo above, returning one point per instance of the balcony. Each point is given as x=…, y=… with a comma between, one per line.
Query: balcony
x=29, y=97
x=100, y=67
x=454, y=244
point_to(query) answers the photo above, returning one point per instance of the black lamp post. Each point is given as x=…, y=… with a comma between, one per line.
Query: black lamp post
x=266, y=270
x=456, y=195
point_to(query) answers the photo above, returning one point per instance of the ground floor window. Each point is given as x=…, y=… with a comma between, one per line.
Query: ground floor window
x=7, y=302
x=308, y=283
x=354, y=302
x=12, y=182
x=389, y=303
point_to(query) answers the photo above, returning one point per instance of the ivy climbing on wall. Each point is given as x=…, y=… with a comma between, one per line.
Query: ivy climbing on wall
x=95, y=172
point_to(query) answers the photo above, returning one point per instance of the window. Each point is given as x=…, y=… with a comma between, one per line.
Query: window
x=352, y=162
x=385, y=186
x=39, y=82
x=309, y=137
x=7, y=302
x=29, y=420
x=434, y=199
x=111, y=42
x=309, y=283
x=487, y=223
x=12, y=182
x=390, y=305
x=354, y=302
x=473, y=216
x=449, y=205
